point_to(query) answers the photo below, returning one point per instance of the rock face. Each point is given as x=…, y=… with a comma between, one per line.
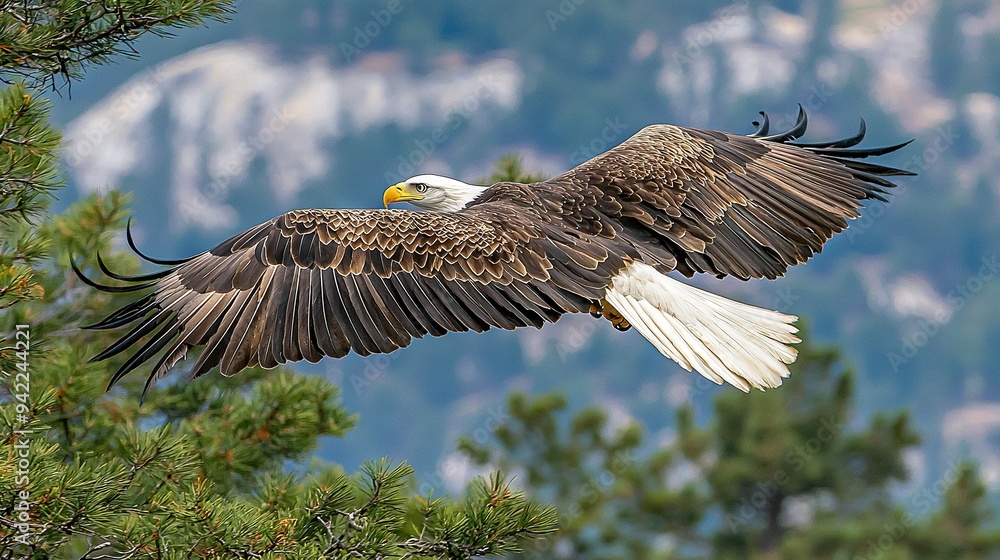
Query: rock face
x=208, y=114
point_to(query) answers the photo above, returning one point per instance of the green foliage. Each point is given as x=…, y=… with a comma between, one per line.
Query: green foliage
x=151, y=493
x=43, y=40
x=613, y=499
x=510, y=167
x=581, y=72
x=217, y=468
x=784, y=473
x=27, y=178
x=492, y=518
x=763, y=452
x=964, y=527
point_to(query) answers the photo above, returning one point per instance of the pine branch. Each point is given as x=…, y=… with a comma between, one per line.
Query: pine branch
x=27, y=179
x=42, y=41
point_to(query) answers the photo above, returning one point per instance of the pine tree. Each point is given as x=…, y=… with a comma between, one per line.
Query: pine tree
x=510, y=167
x=616, y=499
x=216, y=468
x=768, y=450
x=778, y=474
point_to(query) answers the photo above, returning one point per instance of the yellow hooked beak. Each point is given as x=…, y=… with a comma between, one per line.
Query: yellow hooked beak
x=400, y=192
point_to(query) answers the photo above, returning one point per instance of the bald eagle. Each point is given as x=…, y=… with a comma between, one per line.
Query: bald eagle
x=600, y=238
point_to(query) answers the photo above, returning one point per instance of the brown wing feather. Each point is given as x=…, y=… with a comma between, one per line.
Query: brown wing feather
x=704, y=201
x=314, y=283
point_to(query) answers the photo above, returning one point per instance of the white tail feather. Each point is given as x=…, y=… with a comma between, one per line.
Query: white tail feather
x=722, y=339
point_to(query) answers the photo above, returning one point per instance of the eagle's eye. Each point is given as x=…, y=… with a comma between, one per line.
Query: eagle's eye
x=421, y=187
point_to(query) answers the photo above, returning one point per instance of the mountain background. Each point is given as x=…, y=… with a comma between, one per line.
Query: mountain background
x=310, y=103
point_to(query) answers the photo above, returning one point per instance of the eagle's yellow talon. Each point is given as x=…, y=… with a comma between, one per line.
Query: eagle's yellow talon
x=612, y=314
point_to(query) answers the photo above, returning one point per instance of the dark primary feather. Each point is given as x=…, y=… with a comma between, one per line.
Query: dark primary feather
x=314, y=283
x=131, y=243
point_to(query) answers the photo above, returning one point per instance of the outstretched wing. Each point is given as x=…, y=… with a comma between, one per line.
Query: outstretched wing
x=314, y=283
x=704, y=201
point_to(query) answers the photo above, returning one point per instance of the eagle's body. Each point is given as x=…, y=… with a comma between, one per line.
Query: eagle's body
x=314, y=283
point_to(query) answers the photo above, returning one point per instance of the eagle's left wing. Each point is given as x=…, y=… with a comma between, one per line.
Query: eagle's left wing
x=706, y=201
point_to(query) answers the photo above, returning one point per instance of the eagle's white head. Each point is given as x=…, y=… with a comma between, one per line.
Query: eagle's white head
x=433, y=192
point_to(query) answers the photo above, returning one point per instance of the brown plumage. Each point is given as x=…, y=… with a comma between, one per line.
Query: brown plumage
x=705, y=201
x=315, y=283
